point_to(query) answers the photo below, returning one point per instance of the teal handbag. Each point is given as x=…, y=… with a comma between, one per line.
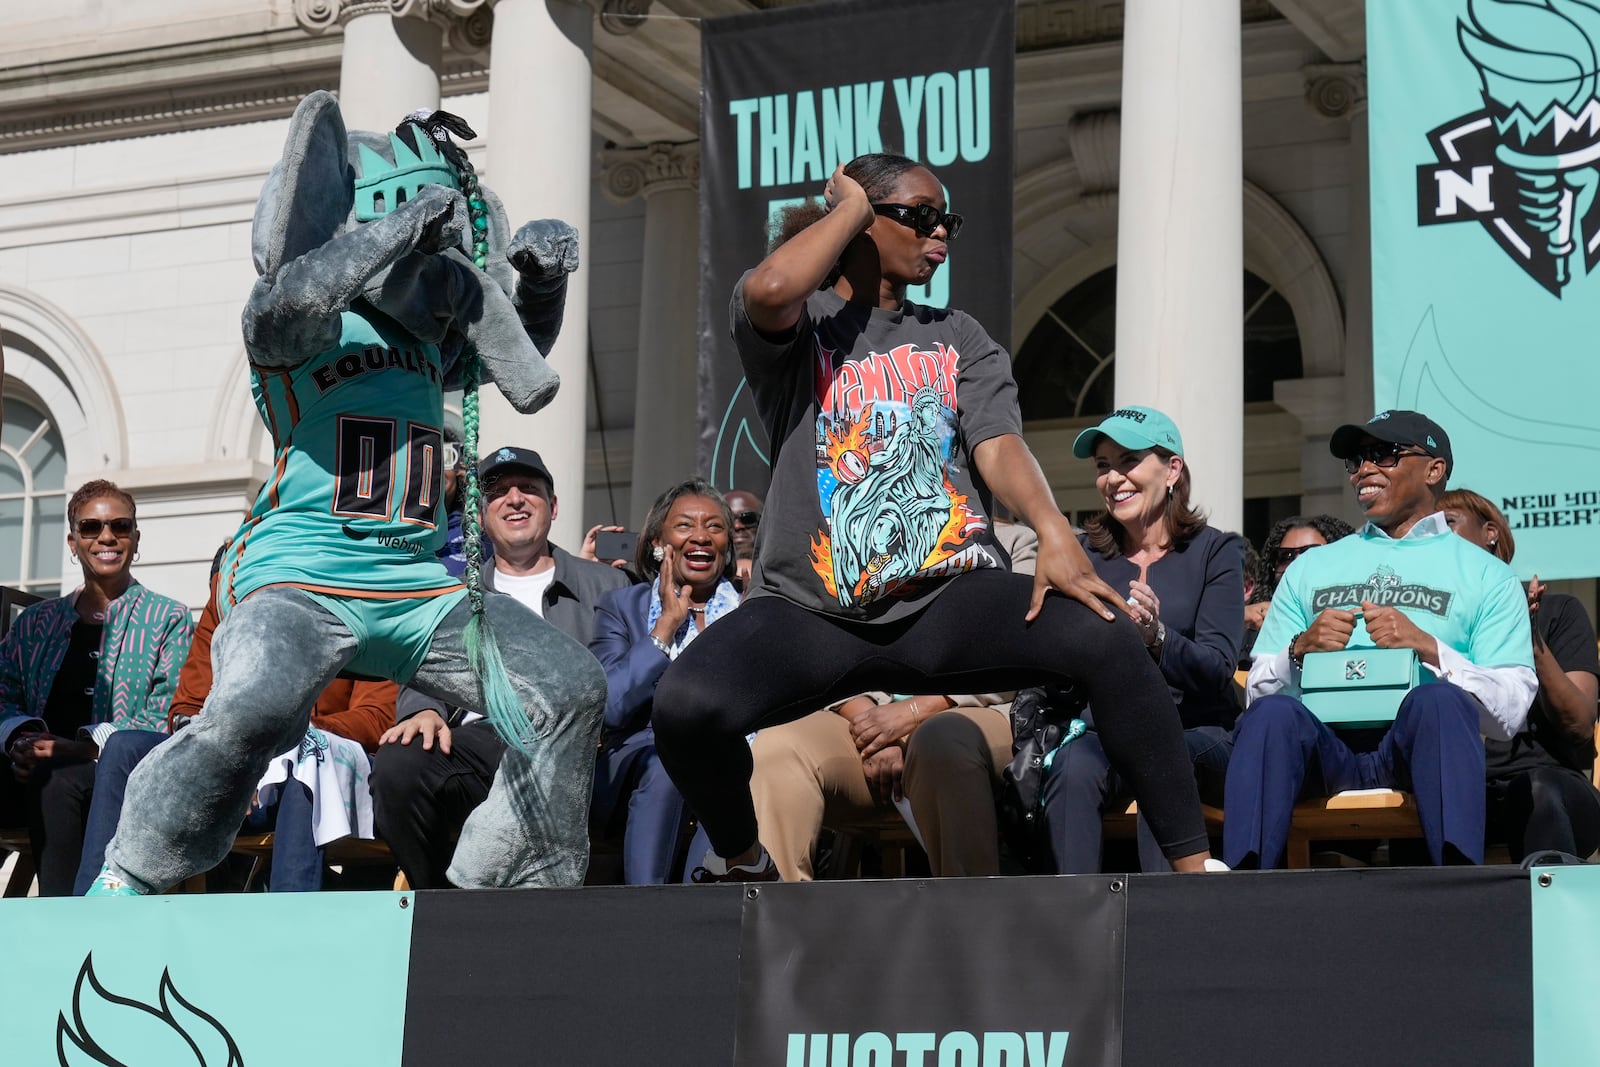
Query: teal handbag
x=1359, y=687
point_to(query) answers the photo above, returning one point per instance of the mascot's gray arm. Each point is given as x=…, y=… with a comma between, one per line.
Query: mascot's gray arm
x=293, y=315
x=544, y=252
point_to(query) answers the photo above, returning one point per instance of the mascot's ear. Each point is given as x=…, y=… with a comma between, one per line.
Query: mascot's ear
x=309, y=194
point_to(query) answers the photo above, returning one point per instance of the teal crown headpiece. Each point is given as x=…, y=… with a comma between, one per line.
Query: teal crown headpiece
x=384, y=186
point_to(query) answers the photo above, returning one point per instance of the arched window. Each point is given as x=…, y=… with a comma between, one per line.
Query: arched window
x=1065, y=367
x=33, y=503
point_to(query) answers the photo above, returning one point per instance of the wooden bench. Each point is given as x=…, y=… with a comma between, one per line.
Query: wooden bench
x=888, y=833
x=1119, y=823
x=347, y=851
x=1360, y=814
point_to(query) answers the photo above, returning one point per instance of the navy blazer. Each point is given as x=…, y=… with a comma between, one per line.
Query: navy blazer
x=633, y=663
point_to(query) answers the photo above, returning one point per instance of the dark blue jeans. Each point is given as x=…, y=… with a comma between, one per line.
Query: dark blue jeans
x=1282, y=753
x=296, y=859
x=1081, y=782
x=120, y=755
x=297, y=862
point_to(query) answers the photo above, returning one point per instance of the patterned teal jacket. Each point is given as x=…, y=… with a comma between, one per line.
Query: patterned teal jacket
x=145, y=642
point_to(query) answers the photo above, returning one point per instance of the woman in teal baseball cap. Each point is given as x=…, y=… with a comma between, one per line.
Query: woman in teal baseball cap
x=1184, y=585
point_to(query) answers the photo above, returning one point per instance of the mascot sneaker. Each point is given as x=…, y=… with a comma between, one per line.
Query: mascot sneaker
x=110, y=884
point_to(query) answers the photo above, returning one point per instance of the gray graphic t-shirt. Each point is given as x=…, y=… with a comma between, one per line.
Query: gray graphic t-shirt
x=873, y=498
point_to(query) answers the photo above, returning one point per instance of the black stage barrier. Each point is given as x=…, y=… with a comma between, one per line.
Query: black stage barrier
x=1397, y=966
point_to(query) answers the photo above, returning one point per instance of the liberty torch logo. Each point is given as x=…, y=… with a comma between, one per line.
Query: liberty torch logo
x=109, y=1029
x=1525, y=165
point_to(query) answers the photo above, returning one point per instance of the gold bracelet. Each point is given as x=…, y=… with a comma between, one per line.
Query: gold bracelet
x=915, y=713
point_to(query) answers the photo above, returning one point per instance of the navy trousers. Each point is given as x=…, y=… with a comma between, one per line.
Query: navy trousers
x=1282, y=753
x=634, y=797
x=1082, y=782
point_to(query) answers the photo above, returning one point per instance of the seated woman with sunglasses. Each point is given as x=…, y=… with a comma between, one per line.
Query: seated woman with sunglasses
x=892, y=423
x=1286, y=542
x=76, y=669
x=1184, y=582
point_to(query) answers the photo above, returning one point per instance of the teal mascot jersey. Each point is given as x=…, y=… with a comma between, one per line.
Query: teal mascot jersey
x=386, y=274
x=357, y=473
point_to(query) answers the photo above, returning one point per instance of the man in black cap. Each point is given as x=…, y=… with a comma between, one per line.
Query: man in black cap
x=1404, y=581
x=437, y=763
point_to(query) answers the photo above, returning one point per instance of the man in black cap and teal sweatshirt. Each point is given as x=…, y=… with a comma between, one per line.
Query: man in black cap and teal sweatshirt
x=1404, y=581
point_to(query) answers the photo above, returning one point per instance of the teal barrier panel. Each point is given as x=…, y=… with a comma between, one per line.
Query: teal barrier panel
x=1566, y=965
x=311, y=979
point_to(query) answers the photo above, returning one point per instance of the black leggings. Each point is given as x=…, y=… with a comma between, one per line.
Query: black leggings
x=771, y=662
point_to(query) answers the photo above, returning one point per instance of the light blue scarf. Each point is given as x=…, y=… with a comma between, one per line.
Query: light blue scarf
x=723, y=600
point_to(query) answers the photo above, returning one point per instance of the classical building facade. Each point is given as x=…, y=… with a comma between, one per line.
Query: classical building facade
x=134, y=138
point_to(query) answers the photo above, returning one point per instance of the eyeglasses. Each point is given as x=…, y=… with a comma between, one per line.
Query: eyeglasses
x=924, y=218
x=1282, y=557
x=747, y=518
x=89, y=528
x=1382, y=456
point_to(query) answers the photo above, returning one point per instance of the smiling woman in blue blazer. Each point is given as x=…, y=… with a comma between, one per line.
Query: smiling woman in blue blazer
x=685, y=553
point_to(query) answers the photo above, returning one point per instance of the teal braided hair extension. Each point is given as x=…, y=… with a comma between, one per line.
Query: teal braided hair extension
x=501, y=704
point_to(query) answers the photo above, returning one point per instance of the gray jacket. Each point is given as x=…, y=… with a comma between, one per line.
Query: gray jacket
x=569, y=604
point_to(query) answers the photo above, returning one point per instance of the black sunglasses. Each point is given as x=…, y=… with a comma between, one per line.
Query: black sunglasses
x=92, y=527
x=1282, y=557
x=747, y=518
x=924, y=218
x=1382, y=456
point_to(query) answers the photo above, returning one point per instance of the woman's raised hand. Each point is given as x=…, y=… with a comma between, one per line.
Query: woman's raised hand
x=674, y=601
x=842, y=188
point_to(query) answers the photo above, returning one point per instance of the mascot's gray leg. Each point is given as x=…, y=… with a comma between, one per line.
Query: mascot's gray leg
x=533, y=828
x=272, y=657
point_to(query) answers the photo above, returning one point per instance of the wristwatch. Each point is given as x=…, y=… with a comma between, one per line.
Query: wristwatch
x=1155, y=643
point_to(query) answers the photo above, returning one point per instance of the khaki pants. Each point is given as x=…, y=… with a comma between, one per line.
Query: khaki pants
x=808, y=774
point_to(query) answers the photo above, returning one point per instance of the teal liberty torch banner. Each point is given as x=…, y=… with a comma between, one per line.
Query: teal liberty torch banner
x=787, y=96
x=242, y=980
x=1485, y=163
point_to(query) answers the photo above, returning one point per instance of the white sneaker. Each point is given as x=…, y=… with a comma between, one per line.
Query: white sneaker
x=713, y=868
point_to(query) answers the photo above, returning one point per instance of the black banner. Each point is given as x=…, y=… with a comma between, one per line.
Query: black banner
x=790, y=94
x=917, y=973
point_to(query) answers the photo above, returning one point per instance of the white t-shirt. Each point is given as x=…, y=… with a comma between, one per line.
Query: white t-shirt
x=526, y=589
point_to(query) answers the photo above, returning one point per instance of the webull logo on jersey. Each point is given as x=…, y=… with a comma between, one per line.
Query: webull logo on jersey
x=1525, y=165
x=1385, y=589
x=1032, y=1048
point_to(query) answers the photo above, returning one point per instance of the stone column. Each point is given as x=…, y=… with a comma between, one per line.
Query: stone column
x=666, y=176
x=389, y=65
x=1180, y=236
x=1339, y=91
x=539, y=162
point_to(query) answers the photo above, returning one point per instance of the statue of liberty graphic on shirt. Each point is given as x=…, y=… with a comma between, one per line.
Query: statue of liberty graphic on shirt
x=887, y=523
x=894, y=511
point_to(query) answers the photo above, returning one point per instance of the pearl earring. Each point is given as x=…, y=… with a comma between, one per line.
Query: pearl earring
x=658, y=553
